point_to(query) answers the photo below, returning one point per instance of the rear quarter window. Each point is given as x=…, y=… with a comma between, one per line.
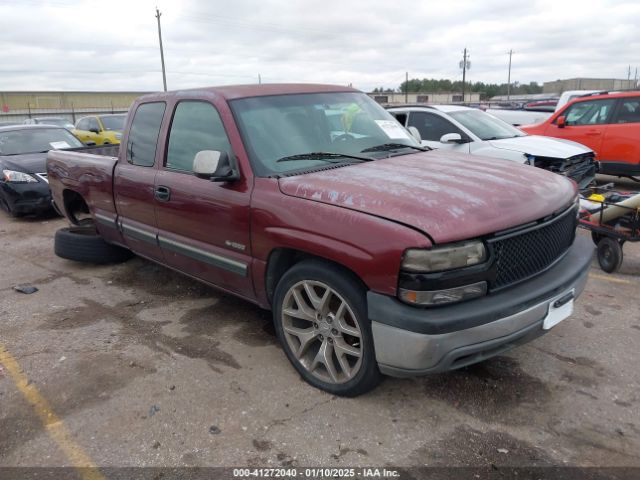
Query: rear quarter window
x=143, y=135
x=629, y=111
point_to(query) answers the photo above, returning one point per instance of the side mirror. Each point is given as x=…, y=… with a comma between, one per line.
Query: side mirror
x=561, y=121
x=215, y=166
x=451, y=138
x=94, y=130
x=415, y=133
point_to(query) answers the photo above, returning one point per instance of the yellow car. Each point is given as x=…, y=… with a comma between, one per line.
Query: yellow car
x=100, y=129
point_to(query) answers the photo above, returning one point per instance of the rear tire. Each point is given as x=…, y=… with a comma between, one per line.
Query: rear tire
x=320, y=316
x=84, y=244
x=609, y=254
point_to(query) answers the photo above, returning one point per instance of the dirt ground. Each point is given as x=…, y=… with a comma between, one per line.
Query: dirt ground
x=134, y=365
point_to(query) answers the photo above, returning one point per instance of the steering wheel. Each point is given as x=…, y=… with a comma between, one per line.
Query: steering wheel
x=343, y=139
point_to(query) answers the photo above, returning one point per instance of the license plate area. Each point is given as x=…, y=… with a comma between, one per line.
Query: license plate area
x=560, y=307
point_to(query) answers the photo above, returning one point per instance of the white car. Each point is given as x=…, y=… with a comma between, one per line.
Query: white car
x=519, y=117
x=469, y=130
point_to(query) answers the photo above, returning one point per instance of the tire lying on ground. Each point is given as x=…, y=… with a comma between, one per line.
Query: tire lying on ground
x=83, y=244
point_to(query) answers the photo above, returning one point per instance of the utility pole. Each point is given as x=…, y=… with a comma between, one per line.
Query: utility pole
x=406, y=87
x=164, y=75
x=509, y=77
x=464, y=64
x=635, y=79
x=259, y=80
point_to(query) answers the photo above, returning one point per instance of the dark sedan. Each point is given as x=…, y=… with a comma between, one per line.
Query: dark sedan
x=23, y=156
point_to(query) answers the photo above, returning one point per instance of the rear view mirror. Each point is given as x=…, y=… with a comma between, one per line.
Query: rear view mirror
x=451, y=138
x=94, y=130
x=214, y=165
x=561, y=122
x=415, y=133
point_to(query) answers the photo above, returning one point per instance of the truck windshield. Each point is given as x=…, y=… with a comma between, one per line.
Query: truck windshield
x=485, y=126
x=348, y=123
x=36, y=140
x=113, y=122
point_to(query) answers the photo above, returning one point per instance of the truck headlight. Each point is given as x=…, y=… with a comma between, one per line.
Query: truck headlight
x=17, y=177
x=437, y=259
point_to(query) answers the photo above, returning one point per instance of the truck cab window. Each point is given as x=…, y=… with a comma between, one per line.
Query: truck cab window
x=196, y=126
x=143, y=135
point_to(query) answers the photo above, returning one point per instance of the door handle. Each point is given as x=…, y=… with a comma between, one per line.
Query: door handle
x=162, y=193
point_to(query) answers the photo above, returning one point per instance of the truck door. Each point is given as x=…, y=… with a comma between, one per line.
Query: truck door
x=134, y=180
x=203, y=227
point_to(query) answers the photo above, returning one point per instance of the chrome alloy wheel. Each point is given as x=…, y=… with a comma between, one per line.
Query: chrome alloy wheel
x=322, y=331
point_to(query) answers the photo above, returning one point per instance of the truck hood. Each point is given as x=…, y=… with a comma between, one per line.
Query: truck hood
x=26, y=163
x=540, y=146
x=449, y=196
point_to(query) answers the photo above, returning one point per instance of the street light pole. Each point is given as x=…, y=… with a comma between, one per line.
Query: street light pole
x=509, y=77
x=164, y=75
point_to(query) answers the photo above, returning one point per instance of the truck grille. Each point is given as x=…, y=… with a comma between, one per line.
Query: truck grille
x=521, y=255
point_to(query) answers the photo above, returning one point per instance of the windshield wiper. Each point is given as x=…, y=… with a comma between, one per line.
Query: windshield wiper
x=385, y=147
x=325, y=156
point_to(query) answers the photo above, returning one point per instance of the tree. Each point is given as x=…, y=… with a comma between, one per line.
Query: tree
x=486, y=90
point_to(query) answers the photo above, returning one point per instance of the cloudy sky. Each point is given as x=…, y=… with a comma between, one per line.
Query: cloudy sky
x=113, y=45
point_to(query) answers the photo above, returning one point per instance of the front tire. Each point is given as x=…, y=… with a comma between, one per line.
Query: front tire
x=320, y=317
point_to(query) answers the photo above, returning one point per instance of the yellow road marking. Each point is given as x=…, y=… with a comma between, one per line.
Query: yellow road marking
x=609, y=279
x=54, y=426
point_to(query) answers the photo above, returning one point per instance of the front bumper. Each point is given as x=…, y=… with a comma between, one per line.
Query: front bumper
x=410, y=341
x=24, y=198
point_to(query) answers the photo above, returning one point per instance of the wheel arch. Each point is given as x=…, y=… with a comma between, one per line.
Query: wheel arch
x=74, y=205
x=282, y=259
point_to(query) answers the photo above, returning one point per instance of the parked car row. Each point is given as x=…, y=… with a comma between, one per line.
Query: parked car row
x=104, y=129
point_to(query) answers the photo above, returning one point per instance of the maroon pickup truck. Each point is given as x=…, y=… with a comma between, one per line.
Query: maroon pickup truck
x=375, y=255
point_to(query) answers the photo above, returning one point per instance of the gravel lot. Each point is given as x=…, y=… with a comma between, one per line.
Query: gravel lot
x=145, y=367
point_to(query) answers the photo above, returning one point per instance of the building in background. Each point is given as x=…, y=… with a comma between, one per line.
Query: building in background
x=559, y=86
x=426, y=97
x=18, y=106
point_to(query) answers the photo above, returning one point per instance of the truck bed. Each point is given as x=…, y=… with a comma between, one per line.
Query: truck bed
x=87, y=171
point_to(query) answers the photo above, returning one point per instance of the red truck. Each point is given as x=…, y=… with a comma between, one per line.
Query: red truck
x=375, y=255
